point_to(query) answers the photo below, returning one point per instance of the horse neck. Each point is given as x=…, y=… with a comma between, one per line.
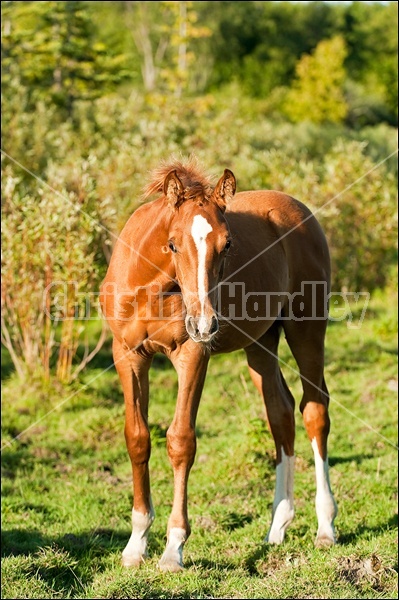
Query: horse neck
x=147, y=236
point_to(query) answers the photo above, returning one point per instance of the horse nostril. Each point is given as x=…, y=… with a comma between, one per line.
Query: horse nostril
x=214, y=325
x=192, y=326
x=200, y=328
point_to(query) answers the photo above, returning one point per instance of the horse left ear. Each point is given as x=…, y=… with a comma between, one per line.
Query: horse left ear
x=225, y=189
x=173, y=189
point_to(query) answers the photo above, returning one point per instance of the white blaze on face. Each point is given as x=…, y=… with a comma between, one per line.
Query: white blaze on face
x=199, y=230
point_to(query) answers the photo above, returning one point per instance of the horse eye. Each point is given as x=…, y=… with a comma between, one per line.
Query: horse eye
x=228, y=244
x=172, y=247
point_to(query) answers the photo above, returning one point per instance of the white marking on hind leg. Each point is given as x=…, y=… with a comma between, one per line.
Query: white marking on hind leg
x=135, y=551
x=326, y=508
x=283, y=504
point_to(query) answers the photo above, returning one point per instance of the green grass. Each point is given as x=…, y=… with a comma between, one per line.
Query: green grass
x=67, y=484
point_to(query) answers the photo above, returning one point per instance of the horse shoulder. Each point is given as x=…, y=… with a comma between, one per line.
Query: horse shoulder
x=138, y=273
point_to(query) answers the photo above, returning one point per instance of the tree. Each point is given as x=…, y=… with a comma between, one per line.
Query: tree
x=371, y=31
x=317, y=93
x=163, y=33
x=53, y=49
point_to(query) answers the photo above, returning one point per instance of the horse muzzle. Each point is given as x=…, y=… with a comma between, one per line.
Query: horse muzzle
x=202, y=329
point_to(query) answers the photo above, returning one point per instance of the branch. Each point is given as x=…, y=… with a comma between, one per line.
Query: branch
x=88, y=357
x=7, y=342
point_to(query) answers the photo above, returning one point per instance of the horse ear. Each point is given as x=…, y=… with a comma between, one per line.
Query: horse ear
x=225, y=189
x=173, y=189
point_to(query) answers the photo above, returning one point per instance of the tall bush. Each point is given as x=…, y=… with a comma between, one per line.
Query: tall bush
x=317, y=92
x=355, y=200
x=52, y=259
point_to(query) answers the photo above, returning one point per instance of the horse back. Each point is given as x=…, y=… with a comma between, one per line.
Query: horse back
x=283, y=233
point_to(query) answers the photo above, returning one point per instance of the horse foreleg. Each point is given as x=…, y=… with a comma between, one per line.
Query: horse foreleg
x=191, y=365
x=133, y=373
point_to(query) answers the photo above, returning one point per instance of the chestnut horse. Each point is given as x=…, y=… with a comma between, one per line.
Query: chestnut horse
x=200, y=271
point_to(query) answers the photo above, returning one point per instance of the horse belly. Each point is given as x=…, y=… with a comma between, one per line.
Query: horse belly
x=251, y=300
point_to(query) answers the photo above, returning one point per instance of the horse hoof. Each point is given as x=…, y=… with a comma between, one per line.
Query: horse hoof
x=324, y=541
x=170, y=566
x=132, y=562
x=275, y=539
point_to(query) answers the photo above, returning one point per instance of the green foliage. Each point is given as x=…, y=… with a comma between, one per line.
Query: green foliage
x=355, y=204
x=99, y=157
x=248, y=45
x=52, y=260
x=359, y=217
x=371, y=33
x=313, y=163
x=183, y=31
x=317, y=93
x=70, y=50
x=52, y=48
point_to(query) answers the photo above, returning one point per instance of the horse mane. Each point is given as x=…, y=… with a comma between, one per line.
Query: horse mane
x=197, y=184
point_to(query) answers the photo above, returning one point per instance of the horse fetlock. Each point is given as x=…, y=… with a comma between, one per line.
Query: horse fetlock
x=141, y=522
x=172, y=558
x=325, y=537
x=326, y=507
x=132, y=560
x=282, y=517
x=135, y=551
x=326, y=510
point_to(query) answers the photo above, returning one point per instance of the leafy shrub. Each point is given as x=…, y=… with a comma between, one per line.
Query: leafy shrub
x=76, y=187
x=51, y=259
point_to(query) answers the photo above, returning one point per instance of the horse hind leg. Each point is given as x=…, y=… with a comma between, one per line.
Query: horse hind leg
x=279, y=403
x=306, y=340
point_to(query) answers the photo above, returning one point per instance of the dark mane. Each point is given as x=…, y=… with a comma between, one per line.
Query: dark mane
x=197, y=183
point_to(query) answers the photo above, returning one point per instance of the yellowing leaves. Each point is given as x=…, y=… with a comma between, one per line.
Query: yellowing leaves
x=317, y=93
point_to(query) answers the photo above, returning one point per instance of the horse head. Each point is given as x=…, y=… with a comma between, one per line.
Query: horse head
x=199, y=240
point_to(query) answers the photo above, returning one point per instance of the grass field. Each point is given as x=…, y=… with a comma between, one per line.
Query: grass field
x=67, y=482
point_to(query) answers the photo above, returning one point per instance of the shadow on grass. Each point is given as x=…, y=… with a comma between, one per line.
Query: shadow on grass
x=89, y=547
x=15, y=542
x=13, y=459
x=211, y=565
x=364, y=530
x=356, y=458
x=339, y=357
x=50, y=556
x=101, y=542
x=254, y=558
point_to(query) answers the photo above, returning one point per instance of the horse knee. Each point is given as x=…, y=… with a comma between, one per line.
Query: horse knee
x=181, y=447
x=138, y=444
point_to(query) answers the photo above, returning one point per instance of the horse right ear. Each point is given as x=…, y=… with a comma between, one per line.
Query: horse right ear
x=173, y=189
x=225, y=189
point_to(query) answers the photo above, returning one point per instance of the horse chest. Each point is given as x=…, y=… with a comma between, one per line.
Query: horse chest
x=158, y=335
